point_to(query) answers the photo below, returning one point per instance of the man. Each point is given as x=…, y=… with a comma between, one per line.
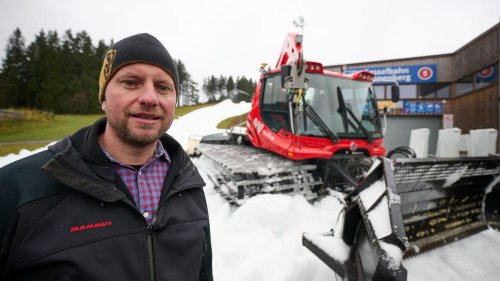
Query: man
x=119, y=200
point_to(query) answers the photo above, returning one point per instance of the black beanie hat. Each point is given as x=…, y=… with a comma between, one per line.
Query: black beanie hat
x=143, y=48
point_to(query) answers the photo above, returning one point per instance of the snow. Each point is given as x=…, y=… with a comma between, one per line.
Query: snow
x=455, y=176
x=394, y=254
x=379, y=216
x=204, y=121
x=334, y=246
x=371, y=194
x=21, y=154
x=473, y=258
x=262, y=239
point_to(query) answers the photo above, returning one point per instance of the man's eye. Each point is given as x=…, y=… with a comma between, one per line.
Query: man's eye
x=164, y=88
x=129, y=83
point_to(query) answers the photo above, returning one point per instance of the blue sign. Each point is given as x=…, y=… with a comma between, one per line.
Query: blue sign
x=488, y=74
x=438, y=107
x=411, y=74
x=422, y=107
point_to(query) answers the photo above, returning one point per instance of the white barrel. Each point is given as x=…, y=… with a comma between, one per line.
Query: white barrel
x=448, y=143
x=193, y=142
x=482, y=142
x=419, y=142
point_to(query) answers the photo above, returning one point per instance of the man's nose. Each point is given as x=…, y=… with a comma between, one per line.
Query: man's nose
x=148, y=95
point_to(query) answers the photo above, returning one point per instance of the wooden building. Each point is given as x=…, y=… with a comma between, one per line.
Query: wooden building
x=461, y=86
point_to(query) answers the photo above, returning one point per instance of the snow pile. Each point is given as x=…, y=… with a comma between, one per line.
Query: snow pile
x=379, y=216
x=333, y=246
x=262, y=239
x=22, y=153
x=394, y=255
x=204, y=121
x=473, y=258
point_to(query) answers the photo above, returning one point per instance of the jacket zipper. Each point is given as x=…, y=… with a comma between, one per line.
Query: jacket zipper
x=149, y=240
x=149, y=230
x=150, y=249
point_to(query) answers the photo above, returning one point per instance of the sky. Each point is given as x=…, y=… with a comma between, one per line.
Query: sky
x=261, y=240
x=232, y=37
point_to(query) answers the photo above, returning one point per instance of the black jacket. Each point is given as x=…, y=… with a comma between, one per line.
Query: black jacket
x=66, y=215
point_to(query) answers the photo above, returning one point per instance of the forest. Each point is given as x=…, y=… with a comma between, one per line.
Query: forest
x=59, y=73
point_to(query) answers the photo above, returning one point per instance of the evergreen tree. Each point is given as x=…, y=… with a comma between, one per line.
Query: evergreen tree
x=230, y=84
x=242, y=84
x=52, y=73
x=188, y=89
x=14, y=72
x=45, y=85
x=191, y=96
x=221, y=87
x=83, y=86
x=210, y=87
x=6, y=99
x=61, y=74
x=37, y=69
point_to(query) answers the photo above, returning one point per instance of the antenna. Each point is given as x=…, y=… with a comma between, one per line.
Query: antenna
x=299, y=23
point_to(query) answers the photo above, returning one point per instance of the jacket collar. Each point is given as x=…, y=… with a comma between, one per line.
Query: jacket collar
x=80, y=162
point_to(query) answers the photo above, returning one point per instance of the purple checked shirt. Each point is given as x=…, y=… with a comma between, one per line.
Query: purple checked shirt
x=146, y=183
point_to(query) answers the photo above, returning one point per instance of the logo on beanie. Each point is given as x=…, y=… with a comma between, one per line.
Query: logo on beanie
x=107, y=65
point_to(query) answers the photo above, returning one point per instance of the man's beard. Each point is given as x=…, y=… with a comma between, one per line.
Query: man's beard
x=136, y=139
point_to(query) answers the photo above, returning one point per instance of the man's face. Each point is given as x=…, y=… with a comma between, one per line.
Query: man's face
x=139, y=104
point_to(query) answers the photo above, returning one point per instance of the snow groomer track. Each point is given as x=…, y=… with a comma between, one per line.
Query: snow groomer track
x=240, y=172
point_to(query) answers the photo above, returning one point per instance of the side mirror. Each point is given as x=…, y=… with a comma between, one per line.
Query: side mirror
x=395, y=93
x=286, y=70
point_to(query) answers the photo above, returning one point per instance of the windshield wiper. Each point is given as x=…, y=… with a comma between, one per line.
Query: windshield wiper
x=347, y=109
x=311, y=113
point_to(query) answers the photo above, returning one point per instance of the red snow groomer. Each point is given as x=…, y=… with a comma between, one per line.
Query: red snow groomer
x=314, y=132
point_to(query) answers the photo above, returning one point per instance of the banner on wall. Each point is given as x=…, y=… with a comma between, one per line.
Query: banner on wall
x=488, y=74
x=447, y=121
x=411, y=107
x=410, y=74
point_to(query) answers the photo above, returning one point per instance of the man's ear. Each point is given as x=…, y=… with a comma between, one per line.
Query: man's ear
x=103, y=105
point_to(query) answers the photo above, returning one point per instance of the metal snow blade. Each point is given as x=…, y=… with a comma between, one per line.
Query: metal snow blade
x=443, y=200
x=423, y=204
x=369, y=241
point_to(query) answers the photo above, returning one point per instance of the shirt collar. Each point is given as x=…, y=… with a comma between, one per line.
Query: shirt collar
x=159, y=152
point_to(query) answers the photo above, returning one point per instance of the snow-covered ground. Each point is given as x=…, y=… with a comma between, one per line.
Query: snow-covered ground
x=261, y=241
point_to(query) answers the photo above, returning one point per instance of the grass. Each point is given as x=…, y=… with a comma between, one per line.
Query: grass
x=180, y=111
x=233, y=121
x=52, y=129
x=47, y=129
x=41, y=132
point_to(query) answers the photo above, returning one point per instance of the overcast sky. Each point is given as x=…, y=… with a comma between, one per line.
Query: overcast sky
x=232, y=37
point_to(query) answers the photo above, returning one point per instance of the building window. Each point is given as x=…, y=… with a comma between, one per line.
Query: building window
x=379, y=92
x=478, y=80
x=464, y=85
x=434, y=91
x=408, y=91
x=388, y=91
